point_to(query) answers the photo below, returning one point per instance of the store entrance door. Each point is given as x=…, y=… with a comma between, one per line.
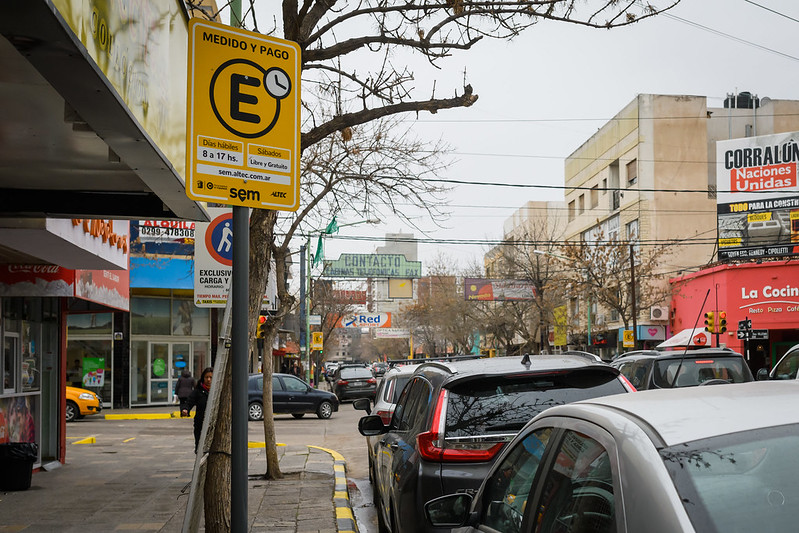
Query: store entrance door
x=166, y=361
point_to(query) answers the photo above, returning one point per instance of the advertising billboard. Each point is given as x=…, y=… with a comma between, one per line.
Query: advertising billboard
x=498, y=289
x=758, y=197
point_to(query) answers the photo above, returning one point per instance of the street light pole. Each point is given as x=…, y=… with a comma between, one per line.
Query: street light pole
x=305, y=292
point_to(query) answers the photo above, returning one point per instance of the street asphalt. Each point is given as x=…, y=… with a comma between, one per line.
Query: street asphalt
x=123, y=476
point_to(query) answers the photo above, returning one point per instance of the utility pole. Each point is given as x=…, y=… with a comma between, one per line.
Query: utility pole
x=632, y=296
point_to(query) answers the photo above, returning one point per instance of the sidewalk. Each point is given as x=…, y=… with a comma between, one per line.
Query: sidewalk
x=140, y=484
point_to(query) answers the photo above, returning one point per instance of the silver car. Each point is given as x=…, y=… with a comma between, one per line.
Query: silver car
x=786, y=368
x=700, y=459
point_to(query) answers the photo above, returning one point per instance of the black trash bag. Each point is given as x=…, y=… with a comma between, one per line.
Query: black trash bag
x=16, y=464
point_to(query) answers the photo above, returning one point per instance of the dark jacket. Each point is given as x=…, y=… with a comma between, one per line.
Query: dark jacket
x=184, y=386
x=199, y=399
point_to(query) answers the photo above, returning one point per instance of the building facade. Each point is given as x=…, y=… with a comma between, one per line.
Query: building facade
x=648, y=177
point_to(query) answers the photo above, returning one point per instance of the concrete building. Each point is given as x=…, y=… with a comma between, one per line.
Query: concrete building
x=648, y=176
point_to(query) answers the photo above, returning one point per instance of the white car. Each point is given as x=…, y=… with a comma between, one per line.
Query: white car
x=698, y=459
x=786, y=368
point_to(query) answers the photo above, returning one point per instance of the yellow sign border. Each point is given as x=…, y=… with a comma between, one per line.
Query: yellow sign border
x=248, y=185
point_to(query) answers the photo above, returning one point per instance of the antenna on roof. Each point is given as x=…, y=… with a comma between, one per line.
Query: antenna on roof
x=682, y=357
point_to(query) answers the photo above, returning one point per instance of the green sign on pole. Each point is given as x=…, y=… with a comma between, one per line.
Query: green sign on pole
x=373, y=266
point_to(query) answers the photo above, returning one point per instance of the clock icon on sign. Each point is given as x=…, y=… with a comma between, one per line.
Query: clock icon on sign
x=277, y=83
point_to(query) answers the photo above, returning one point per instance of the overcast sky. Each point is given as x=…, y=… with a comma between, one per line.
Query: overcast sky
x=544, y=94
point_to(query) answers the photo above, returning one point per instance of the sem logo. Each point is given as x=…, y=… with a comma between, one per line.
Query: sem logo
x=199, y=184
x=245, y=195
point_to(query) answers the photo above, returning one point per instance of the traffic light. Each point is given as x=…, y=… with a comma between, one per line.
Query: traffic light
x=722, y=321
x=710, y=322
x=260, y=330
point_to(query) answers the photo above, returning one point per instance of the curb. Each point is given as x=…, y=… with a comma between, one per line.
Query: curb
x=345, y=519
x=146, y=416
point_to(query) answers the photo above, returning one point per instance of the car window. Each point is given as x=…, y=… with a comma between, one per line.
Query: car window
x=505, y=405
x=258, y=383
x=691, y=372
x=356, y=372
x=506, y=491
x=276, y=385
x=577, y=493
x=412, y=405
x=294, y=385
x=786, y=369
x=399, y=384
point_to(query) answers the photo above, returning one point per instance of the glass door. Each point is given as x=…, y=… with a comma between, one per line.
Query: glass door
x=159, y=365
x=167, y=360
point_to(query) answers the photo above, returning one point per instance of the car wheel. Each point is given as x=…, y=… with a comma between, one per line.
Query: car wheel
x=298, y=415
x=325, y=410
x=255, y=411
x=72, y=411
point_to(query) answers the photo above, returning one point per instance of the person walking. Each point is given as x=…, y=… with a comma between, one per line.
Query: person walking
x=184, y=386
x=199, y=399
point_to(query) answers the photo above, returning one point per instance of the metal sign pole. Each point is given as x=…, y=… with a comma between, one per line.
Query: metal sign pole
x=238, y=421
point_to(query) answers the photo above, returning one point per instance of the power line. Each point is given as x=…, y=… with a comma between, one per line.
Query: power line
x=771, y=10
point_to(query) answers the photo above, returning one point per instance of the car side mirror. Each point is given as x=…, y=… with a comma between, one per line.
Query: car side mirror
x=762, y=374
x=371, y=425
x=449, y=511
x=363, y=404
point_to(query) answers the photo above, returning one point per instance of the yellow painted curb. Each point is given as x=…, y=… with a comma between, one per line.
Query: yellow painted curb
x=336, y=456
x=343, y=494
x=87, y=440
x=344, y=512
x=146, y=416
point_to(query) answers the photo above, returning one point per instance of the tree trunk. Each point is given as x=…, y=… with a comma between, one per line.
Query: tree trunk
x=217, y=477
x=262, y=226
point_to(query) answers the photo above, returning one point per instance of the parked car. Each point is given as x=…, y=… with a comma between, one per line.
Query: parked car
x=701, y=459
x=453, y=418
x=786, y=367
x=652, y=369
x=290, y=395
x=81, y=402
x=354, y=381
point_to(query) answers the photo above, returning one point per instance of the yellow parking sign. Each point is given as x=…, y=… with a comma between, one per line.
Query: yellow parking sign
x=628, y=340
x=317, y=340
x=243, y=136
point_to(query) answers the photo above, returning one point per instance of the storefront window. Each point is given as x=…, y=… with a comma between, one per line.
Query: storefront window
x=188, y=319
x=138, y=374
x=89, y=363
x=149, y=316
x=89, y=324
x=31, y=367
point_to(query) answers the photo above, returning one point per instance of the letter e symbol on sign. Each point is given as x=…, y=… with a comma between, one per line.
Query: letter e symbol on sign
x=237, y=98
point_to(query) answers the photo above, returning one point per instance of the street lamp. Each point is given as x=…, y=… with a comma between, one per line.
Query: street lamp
x=305, y=286
x=588, y=298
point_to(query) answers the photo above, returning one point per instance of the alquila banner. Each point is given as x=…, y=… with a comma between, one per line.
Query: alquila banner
x=758, y=196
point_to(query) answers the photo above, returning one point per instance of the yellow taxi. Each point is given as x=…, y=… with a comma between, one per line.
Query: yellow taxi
x=81, y=402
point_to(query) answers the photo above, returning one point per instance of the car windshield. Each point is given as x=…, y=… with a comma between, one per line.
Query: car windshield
x=355, y=372
x=738, y=482
x=505, y=405
x=787, y=367
x=691, y=372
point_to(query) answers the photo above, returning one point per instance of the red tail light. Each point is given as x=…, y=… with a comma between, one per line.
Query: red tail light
x=342, y=382
x=704, y=361
x=385, y=415
x=432, y=446
x=371, y=380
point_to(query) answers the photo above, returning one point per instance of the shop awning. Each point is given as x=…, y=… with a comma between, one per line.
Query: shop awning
x=75, y=143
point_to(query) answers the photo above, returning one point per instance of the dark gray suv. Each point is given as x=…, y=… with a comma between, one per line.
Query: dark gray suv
x=651, y=369
x=453, y=418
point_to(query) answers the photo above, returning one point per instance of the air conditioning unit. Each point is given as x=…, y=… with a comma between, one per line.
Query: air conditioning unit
x=659, y=313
